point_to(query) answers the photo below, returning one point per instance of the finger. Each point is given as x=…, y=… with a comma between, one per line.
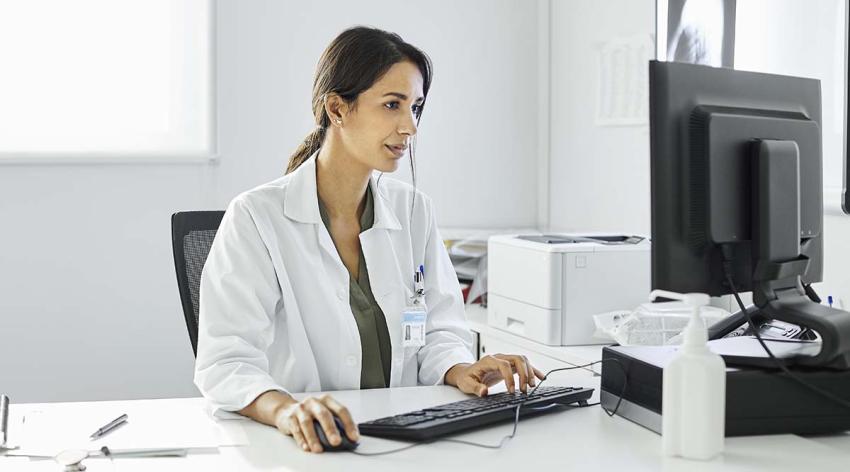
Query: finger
x=516, y=367
x=295, y=430
x=305, y=421
x=521, y=369
x=531, y=380
x=478, y=388
x=539, y=375
x=506, y=369
x=344, y=415
x=326, y=420
x=469, y=384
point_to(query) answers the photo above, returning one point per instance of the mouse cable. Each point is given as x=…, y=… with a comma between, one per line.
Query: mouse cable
x=510, y=436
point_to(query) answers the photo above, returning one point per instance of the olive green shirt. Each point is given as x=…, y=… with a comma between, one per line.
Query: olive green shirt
x=374, y=337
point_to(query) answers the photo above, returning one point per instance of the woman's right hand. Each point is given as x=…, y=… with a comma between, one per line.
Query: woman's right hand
x=296, y=420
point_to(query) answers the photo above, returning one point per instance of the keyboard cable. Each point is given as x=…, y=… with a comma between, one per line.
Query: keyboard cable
x=510, y=436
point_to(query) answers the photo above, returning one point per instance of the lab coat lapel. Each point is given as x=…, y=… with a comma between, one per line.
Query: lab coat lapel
x=385, y=279
x=302, y=204
x=386, y=275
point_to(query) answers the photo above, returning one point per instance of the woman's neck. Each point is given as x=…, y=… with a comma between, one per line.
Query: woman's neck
x=341, y=181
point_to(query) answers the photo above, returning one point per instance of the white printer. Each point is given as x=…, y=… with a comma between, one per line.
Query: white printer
x=546, y=288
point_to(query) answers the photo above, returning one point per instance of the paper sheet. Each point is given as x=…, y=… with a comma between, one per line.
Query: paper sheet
x=623, y=92
x=151, y=424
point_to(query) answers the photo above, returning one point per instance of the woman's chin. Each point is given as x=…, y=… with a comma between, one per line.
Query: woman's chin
x=389, y=165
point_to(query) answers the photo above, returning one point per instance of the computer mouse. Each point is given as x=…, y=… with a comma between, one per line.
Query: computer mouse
x=345, y=445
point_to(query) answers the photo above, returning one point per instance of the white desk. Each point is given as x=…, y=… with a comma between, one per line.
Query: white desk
x=569, y=440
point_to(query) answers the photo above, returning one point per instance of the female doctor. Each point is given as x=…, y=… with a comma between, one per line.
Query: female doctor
x=319, y=280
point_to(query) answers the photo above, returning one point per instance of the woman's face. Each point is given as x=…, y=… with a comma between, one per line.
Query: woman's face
x=378, y=130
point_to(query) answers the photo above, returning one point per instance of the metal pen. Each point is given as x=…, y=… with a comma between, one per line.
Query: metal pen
x=4, y=420
x=109, y=427
x=418, y=282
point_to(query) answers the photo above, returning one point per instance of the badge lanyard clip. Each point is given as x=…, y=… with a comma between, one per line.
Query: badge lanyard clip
x=419, y=285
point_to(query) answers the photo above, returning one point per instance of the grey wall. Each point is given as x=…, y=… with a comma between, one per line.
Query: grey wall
x=89, y=307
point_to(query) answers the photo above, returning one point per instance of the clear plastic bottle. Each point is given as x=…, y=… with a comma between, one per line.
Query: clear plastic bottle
x=694, y=390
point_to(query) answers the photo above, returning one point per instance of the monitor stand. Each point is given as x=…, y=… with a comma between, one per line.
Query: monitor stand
x=778, y=291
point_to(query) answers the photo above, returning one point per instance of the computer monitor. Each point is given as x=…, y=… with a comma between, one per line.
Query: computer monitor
x=737, y=189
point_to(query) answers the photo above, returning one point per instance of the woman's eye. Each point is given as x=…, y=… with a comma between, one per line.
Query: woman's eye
x=417, y=108
x=392, y=105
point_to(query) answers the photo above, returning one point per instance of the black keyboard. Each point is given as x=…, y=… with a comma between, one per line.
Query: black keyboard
x=454, y=417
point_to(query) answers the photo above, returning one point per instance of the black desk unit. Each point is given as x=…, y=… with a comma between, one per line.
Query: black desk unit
x=758, y=401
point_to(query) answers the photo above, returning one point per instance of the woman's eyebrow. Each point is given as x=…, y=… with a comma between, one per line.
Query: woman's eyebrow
x=402, y=96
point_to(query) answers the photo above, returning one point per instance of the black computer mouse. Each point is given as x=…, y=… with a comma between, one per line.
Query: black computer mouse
x=345, y=445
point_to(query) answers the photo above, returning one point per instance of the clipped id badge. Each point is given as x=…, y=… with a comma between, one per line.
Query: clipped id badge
x=413, y=325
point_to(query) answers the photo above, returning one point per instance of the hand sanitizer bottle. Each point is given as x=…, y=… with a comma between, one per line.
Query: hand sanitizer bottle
x=693, y=400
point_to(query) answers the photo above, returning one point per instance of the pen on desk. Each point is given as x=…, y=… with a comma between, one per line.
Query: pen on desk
x=109, y=427
x=4, y=419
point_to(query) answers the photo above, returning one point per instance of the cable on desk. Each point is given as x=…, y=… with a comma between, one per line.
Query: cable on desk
x=510, y=436
x=727, y=272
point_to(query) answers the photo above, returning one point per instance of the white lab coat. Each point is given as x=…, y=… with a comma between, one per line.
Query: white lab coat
x=274, y=306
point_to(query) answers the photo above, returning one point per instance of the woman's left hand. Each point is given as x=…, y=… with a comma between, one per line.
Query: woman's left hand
x=490, y=370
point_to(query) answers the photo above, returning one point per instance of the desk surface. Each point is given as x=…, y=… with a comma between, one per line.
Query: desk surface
x=569, y=440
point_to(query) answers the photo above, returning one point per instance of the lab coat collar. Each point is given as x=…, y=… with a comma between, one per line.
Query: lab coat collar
x=301, y=202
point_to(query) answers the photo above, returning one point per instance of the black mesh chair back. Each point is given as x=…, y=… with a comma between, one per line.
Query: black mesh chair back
x=192, y=234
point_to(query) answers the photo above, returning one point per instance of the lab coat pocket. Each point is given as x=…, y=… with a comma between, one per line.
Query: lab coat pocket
x=410, y=367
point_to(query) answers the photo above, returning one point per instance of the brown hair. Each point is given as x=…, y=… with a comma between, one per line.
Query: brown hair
x=355, y=60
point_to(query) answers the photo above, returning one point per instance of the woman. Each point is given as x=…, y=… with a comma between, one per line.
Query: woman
x=319, y=279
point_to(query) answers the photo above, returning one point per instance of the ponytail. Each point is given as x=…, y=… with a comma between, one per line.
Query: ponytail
x=311, y=144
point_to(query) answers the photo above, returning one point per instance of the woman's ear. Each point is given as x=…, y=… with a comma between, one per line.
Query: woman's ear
x=336, y=109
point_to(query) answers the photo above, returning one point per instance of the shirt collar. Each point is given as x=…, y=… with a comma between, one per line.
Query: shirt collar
x=301, y=202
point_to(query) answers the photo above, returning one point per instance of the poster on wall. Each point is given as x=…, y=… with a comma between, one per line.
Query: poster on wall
x=622, y=97
x=697, y=32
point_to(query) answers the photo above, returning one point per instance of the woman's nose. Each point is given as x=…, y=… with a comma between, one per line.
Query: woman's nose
x=408, y=125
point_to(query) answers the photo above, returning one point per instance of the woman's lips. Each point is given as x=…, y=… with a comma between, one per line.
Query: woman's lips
x=397, y=151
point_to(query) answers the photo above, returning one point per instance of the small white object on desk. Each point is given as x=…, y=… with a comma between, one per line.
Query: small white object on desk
x=693, y=390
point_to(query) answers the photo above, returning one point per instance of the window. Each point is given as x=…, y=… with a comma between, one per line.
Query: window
x=106, y=79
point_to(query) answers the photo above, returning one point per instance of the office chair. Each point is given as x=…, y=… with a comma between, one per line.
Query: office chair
x=192, y=234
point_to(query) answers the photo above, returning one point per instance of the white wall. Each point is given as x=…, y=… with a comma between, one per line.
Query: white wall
x=88, y=301
x=481, y=114
x=836, y=276
x=89, y=307
x=804, y=39
x=808, y=39
x=599, y=177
